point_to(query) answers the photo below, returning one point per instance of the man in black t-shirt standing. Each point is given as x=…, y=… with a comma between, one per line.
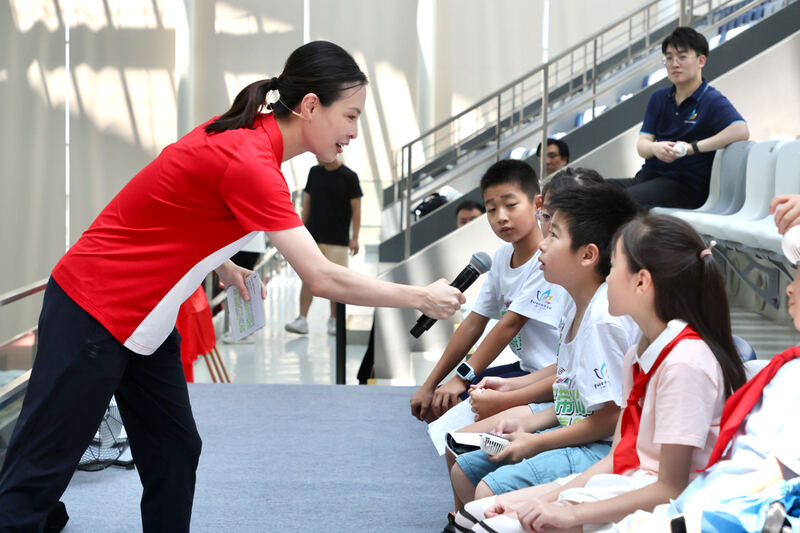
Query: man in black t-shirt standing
x=331, y=199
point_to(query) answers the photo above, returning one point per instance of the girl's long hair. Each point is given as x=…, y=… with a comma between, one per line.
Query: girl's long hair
x=319, y=67
x=687, y=286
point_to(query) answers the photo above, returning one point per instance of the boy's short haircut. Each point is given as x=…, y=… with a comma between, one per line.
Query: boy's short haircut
x=469, y=205
x=685, y=38
x=513, y=171
x=594, y=213
x=571, y=177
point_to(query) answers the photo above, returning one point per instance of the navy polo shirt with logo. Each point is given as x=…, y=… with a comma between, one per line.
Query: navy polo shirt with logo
x=703, y=114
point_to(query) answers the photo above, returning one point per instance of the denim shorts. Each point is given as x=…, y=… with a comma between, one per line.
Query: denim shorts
x=543, y=468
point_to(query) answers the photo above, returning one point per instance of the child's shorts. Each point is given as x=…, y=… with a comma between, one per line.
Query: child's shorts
x=543, y=468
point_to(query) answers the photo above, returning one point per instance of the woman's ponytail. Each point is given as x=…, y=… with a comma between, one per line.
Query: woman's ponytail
x=245, y=108
x=319, y=67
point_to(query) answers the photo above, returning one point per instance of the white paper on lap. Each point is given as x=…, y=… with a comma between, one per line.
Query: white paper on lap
x=457, y=417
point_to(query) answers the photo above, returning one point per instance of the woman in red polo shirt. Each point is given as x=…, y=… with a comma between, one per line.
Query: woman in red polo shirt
x=107, y=322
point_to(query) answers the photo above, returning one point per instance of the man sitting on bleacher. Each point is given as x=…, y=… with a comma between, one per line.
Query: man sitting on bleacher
x=683, y=126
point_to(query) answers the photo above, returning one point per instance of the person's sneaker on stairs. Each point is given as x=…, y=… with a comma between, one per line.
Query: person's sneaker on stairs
x=298, y=325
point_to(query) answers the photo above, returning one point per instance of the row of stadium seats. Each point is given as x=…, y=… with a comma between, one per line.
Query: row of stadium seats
x=744, y=179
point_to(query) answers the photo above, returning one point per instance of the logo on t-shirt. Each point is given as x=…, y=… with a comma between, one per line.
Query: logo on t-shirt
x=692, y=118
x=601, y=374
x=543, y=300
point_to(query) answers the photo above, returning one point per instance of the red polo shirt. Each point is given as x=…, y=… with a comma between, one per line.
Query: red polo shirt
x=179, y=218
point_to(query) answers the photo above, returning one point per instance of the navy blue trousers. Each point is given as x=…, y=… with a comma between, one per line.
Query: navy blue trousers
x=650, y=190
x=78, y=367
x=510, y=370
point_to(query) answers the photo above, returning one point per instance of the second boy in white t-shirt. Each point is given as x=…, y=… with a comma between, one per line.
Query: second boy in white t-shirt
x=524, y=291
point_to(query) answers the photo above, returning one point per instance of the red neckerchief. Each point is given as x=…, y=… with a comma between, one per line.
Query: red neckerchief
x=741, y=402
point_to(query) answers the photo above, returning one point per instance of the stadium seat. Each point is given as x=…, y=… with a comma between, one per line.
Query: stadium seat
x=726, y=185
x=759, y=184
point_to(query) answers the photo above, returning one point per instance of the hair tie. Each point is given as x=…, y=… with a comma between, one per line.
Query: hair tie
x=273, y=97
x=707, y=251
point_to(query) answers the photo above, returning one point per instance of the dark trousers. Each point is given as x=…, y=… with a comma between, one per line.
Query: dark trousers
x=78, y=367
x=651, y=190
x=511, y=370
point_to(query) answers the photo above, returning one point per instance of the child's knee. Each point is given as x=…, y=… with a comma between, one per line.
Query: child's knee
x=483, y=490
x=456, y=473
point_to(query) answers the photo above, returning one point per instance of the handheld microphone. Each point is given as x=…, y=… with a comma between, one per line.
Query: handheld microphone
x=479, y=263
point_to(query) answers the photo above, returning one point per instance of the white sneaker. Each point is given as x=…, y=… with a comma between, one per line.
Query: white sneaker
x=298, y=325
x=331, y=326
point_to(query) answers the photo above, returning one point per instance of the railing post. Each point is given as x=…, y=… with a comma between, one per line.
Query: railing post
x=513, y=107
x=497, y=126
x=682, y=14
x=594, y=78
x=407, y=236
x=341, y=344
x=399, y=175
x=543, y=149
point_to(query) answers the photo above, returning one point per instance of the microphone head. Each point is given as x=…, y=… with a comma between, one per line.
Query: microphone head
x=481, y=261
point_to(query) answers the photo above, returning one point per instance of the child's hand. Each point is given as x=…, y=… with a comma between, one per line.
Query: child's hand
x=421, y=404
x=446, y=396
x=523, y=446
x=486, y=402
x=786, y=208
x=497, y=508
x=537, y=515
x=494, y=383
x=508, y=425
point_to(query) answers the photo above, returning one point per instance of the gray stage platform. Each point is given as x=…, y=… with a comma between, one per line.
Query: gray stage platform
x=291, y=458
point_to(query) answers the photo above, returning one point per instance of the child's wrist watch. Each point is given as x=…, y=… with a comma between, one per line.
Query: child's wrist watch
x=465, y=372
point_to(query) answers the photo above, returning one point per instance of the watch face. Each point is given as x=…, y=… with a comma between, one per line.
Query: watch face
x=463, y=369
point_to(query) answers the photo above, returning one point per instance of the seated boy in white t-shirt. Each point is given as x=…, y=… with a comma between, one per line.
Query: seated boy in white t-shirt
x=587, y=393
x=529, y=308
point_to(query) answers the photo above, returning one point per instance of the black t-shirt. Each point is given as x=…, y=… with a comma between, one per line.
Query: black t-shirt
x=331, y=192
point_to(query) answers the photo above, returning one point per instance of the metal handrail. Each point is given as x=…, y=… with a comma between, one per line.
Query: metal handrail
x=23, y=292
x=503, y=120
x=531, y=73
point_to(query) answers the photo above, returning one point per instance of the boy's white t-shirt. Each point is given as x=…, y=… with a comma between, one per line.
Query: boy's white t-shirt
x=589, y=368
x=523, y=290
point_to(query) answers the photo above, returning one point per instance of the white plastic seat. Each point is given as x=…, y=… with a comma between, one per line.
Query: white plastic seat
x=759, y=185
x=713, y=191
x=726, y=183
x=763, y=233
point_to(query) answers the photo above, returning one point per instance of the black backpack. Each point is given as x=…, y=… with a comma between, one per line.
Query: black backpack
x=428, y=204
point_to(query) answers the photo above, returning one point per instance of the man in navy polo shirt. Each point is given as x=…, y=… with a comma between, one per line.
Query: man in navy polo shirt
x=683, y=126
